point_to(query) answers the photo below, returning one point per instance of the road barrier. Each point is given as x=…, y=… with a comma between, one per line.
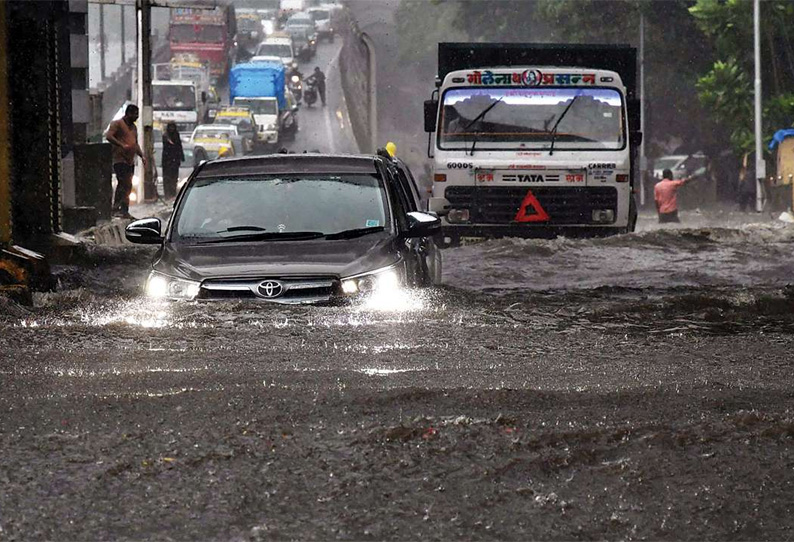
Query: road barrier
x=358, y=83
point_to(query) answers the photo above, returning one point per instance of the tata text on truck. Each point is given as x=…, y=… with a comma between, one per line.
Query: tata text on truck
x=208, y=33
x=534, y=140
x=259, y=86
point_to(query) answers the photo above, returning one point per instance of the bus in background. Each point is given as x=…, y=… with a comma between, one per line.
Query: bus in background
x=207, y=33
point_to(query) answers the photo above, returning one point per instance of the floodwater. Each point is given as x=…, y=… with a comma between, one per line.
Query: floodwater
x=630, y=387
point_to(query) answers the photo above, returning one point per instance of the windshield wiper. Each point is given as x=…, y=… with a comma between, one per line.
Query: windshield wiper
x=243, y=228
x=268, y=236
x=349, y=234
x=556, y=124
x=475, y=119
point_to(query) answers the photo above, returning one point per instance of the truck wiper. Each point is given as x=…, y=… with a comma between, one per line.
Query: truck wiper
x=556, y=124
x=358, y=232
x=475, y=119
x=268, y=236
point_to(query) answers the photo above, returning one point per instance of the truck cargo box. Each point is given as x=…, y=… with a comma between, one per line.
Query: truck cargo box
x=257, y=80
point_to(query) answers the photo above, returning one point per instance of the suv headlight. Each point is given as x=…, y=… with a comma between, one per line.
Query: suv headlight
x=161, y=286
x=386, y=279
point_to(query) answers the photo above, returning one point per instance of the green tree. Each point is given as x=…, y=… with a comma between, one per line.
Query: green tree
x=727, y=88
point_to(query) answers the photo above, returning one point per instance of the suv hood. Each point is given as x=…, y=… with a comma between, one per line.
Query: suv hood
x=343, y=258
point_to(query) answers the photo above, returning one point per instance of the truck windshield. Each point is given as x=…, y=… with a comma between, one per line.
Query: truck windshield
x=173, y=98
x=188, y=73
x=281, y=50
x=525, y=118
x=190, y=33
x=258, y=107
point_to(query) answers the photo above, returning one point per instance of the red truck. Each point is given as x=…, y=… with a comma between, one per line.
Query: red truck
x=207, y=33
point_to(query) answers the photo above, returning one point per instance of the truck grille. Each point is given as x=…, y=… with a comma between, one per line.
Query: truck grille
x=295, y=289
x=564, y=205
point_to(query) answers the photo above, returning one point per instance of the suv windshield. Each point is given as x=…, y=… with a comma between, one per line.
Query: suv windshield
x=524, y=118
x=281, y=204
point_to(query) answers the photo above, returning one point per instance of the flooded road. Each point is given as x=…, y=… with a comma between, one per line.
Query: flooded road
x=623, y=388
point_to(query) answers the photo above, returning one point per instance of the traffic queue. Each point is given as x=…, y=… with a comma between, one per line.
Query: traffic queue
x=223, y=108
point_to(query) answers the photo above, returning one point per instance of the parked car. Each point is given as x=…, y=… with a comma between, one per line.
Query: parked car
x=299, y=228
x=682, y=165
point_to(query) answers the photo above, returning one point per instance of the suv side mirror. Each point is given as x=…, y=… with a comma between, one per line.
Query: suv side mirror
x=145, y=231
x=431, y=109
x=422, y=224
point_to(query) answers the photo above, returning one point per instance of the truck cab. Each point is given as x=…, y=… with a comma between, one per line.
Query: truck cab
x=531, y=149
x=266, y=115
x=176, y=101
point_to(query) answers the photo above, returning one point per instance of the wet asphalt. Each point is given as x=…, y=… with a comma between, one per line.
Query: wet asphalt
x=637, y=387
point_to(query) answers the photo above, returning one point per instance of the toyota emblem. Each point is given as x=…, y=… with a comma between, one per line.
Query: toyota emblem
x=270, y=288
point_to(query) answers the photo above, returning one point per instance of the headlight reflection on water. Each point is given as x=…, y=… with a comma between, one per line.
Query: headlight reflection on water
x=141, y=313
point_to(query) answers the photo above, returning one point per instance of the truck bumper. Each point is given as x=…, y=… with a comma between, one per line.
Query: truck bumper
x=267, y=137
x=537, y=212
x=456, y=231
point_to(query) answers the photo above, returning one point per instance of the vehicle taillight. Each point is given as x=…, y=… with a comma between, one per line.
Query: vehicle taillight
x=622, y=178
x=440, y=178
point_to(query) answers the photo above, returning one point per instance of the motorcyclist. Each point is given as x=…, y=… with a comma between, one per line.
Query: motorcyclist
x=318, y=78
x=294, y=78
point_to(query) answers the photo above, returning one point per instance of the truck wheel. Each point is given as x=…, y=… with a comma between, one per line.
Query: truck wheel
x=632, y=215
x=632, y=225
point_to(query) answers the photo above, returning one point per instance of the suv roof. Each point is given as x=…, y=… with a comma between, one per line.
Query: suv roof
x=291, y=163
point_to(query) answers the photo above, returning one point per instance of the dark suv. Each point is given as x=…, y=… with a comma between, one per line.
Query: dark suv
x=285, y=228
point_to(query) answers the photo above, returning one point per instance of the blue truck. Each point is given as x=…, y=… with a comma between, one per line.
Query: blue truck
x=260, y=86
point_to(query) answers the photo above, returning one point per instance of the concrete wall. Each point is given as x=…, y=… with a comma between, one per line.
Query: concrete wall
x=355, y=75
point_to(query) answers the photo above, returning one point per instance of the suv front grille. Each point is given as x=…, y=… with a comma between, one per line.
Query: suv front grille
x=295, y=289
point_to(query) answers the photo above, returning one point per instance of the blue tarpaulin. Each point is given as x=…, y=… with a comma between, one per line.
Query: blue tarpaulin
x=779, y=136
x=256, y=80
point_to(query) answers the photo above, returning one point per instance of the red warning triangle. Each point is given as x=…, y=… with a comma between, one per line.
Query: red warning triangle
x=530, y=210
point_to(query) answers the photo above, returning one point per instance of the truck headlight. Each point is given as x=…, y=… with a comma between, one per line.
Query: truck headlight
x=457, y=216
x=162, y=286
x=387, y=279
x=603, y=216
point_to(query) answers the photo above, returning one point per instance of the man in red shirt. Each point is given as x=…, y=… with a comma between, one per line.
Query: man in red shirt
x=665, y=195
x=123, y=135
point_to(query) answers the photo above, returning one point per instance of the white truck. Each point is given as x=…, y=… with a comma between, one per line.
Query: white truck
x=533, y=140
x=175, y=101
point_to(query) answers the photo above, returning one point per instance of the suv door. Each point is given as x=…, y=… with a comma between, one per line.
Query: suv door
x=426, y=257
